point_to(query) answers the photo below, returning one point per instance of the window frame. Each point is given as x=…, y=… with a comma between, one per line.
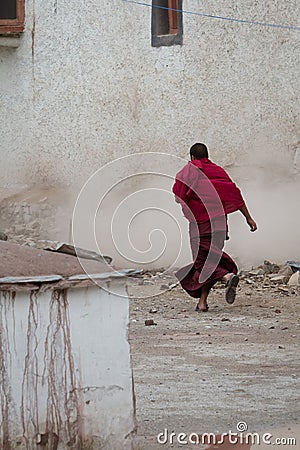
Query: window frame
x=166, y=39
x=14, y=26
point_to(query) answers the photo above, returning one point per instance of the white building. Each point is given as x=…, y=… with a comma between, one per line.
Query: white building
x=66, y=379
x=89, y=82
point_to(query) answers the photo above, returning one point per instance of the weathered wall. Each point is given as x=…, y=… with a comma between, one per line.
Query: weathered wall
x=85, y=86
x=65, y=370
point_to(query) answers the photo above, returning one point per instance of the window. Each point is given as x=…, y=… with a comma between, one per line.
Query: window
x=11, y=16
x=166, y=22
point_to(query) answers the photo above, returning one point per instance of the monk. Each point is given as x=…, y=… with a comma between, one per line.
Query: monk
x=207, y=195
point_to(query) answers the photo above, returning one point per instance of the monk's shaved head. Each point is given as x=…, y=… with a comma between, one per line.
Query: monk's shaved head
x=199, y=151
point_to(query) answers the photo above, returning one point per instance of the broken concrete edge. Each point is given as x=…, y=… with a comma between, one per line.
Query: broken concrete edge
x=68, y=249
x=59, y=282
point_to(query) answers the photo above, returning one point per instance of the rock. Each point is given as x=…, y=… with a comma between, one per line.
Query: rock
x=269, y=267
x=284, y=290
x=149, y=322
x=153, y=310
x=283, y=275
x=163, y=287
x=3, y=236
x=294, y=279
x=277, y=311
x=279, y=278
x=172, y=285
x=256, y=272
x=225, y=319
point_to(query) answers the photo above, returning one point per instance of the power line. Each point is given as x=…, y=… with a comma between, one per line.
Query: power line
x=211, y=16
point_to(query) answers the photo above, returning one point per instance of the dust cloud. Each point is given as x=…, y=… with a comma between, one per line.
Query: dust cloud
x=136, y=220
x=276, y=210
x=139, y=223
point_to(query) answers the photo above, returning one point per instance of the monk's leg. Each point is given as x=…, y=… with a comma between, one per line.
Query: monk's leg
x=205, y=290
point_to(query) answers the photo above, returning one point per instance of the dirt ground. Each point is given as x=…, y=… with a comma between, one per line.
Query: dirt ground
x=206, y=372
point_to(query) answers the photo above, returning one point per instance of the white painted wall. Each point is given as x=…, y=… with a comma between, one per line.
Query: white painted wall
x=65, y=367
x=85, y=87
x=89, y=87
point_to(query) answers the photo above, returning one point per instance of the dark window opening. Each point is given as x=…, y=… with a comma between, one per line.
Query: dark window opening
x=11, y=16
x=166, y=22
x=8, y=9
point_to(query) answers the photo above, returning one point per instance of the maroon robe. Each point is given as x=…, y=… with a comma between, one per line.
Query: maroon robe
x=207, y=195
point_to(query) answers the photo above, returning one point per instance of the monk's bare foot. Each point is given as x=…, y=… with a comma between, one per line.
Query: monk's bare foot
x=202, y=307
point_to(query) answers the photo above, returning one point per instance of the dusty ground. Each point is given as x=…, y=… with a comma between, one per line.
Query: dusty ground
x=206, y=372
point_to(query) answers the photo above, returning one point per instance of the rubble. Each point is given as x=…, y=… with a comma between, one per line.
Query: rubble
x=149, y=322
x=283, y=275
x=280, y=279
x=256, y=272
x=3, y=236
x=294, y=279
x=269, y=267
x=283, y=290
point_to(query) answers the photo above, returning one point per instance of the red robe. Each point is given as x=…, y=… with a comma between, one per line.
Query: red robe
x=205, y=191
x=207, y=195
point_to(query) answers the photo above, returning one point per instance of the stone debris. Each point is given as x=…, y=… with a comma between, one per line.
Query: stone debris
x=283, y=289
x=150, y=322
x=153, y=311
x=279, y=279
x=270, y=277
x=3, y=236
x=256, y=272
x=283, y=275
x=269, y=267
x=294, y=279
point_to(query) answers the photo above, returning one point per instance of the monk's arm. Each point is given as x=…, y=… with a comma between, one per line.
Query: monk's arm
x=179, y=190
x=244, y=210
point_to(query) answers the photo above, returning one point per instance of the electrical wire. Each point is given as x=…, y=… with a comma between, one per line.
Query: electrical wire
x=211, y=16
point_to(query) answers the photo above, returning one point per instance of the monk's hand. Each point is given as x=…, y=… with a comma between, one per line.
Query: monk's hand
x=252, y=224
